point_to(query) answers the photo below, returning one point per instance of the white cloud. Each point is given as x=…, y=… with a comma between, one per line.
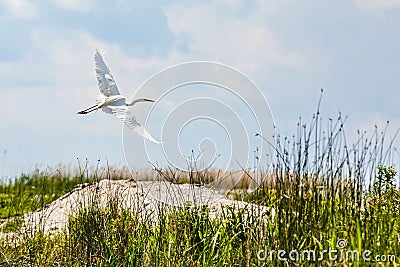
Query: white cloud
x=76, y=5
x=56, y=68
x=378, y=4
x=21, y=9
x=218, y=31
x=62, y=61
x=59, y=79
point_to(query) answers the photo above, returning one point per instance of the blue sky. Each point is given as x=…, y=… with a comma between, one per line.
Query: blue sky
x=289, y=49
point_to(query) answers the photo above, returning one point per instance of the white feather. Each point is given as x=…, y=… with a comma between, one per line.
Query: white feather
x=128, y=118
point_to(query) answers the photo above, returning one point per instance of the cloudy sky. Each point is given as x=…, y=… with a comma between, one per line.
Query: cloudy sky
x=351, y=48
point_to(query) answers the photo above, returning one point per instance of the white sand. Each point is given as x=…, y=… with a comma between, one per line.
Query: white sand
x=141, y=197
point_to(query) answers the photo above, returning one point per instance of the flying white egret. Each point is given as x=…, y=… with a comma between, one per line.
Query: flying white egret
x=111, y=101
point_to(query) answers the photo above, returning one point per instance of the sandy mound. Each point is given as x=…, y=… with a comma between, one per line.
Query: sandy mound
x=141, y=197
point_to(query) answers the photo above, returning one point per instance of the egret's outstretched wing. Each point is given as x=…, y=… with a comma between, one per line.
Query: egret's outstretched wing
x=131, y=122
x=106, y=81
x=108, y=110
x=128, y=118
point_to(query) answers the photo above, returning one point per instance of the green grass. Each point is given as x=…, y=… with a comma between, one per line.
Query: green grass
x=30, y=192
x=190, y=237
x=327, y=194
x=12, y=225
